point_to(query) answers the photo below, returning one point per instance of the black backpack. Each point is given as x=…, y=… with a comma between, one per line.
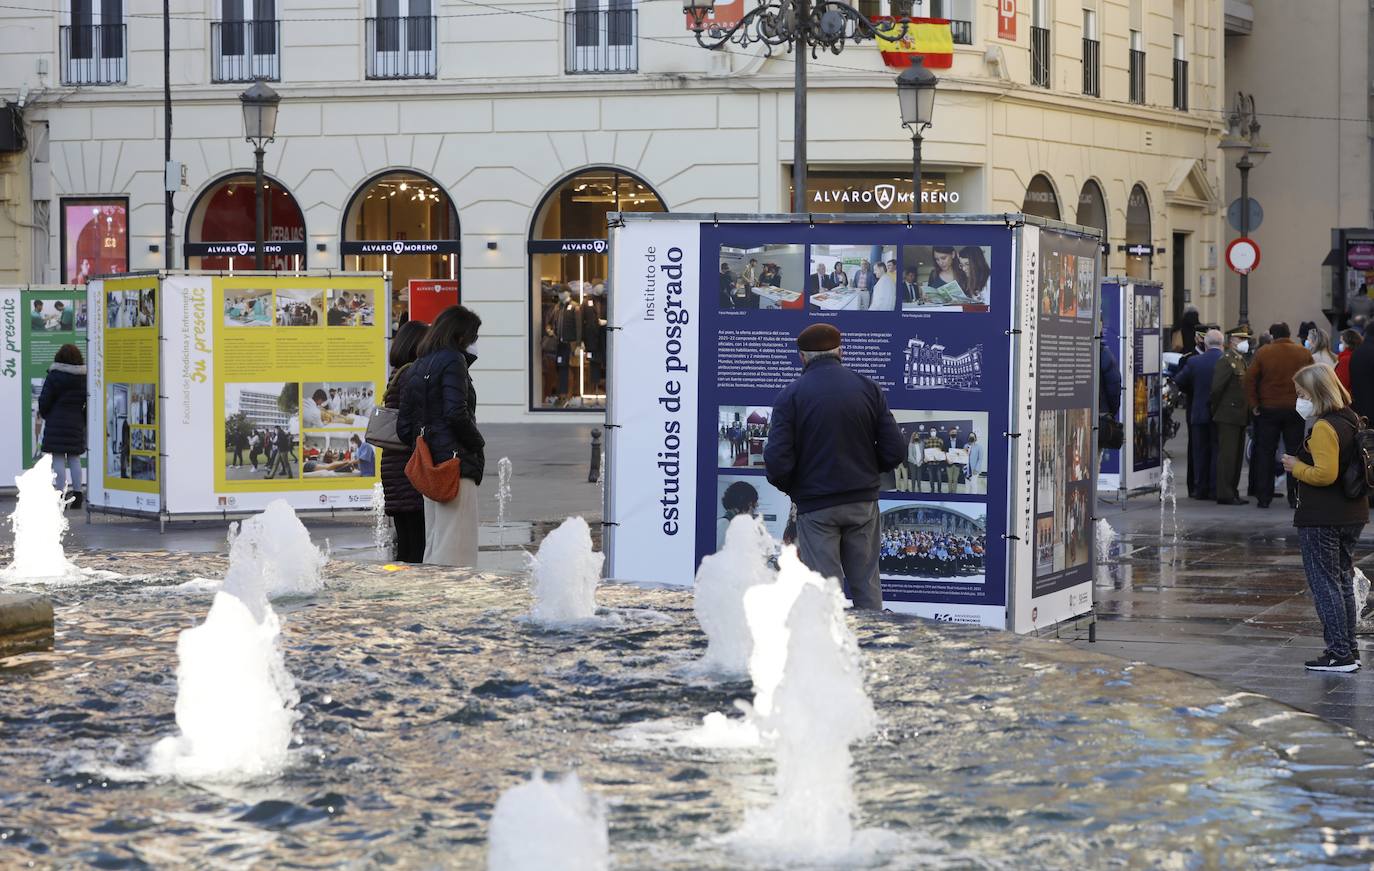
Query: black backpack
x=1357, y=481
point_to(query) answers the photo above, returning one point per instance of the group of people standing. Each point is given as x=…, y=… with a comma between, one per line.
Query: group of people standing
x=927, y=468
x=736, y=289
x=1297, y=394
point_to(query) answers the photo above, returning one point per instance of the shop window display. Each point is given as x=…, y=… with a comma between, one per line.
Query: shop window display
x=1138, y=231
x=221, y=233
x=405, y=223
x=568, y=267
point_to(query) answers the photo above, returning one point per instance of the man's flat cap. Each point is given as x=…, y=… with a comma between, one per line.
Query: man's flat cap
x=819, y=337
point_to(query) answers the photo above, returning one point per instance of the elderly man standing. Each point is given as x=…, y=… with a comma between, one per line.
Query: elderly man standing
x=830, y=438
x=1196, y=381
x=1230, y=416
x=1273, y=399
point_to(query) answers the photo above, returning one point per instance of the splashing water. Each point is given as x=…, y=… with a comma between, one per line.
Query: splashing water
x=564, y=574
x=381, y=526
x=1168, y=496
x=811, y=702
x=503, y=474
x=722, y=582
x=270, y=556
x=39, y=526
x=235, y=699
x=1106, y=537
x=540, y=825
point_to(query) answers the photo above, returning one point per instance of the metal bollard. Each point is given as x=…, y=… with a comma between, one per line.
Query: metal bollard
x=594, y=469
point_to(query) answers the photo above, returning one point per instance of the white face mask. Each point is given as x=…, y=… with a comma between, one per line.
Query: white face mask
x=1305, y=408
x=472, y=349
x=1243, y=347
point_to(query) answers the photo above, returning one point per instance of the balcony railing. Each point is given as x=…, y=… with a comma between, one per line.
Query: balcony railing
x=94, y=54
x=1180, y=84
x=1137, y=73
x=1092, y=68
x=401, y=47
x=1040, y=57
x=243, y=51
x=601, y=41
x=962, y=31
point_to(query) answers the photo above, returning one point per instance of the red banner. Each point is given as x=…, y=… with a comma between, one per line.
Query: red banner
x=1006, y=19
x=429, y=296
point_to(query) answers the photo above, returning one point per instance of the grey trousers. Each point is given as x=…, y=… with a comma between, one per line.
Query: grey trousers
x=841, y=542
x=451, y=528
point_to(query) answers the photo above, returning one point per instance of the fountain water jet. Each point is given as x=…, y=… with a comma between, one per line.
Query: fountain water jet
x=564, y=574
x=381, y=526
x=810, y=702
x=235, y=699
x=722, y=582
x=39, y=526
x=544, y=824
x=503, y=473
x=271, y=556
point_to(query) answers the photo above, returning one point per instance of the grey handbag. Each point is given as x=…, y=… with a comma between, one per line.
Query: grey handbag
x=381, y=430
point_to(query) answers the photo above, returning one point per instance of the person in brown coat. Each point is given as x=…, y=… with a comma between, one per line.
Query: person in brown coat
x=1273, y=398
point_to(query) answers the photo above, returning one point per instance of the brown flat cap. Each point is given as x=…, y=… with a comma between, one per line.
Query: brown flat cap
x=819, y=337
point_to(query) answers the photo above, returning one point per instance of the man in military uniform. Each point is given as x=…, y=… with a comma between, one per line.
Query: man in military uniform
x=1230, y=415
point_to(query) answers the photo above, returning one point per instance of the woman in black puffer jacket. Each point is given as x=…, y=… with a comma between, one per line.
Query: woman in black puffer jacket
x=440, y=402
x=404, y=505
x=62, y=405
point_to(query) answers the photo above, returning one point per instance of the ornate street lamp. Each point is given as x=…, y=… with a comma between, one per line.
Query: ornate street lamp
x=820, y=25
x=1242, y=141
x=259, y=127
x=916, y=95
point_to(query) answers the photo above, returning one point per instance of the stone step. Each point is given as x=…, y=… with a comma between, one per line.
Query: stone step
x=26, y=624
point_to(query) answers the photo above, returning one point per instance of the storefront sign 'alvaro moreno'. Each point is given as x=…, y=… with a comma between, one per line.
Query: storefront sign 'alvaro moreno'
x=884, y=196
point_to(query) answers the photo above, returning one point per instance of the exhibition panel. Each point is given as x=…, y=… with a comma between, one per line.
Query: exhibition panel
x=1132, y=329
x=704, y=329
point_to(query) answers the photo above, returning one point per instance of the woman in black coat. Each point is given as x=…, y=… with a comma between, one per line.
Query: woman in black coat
x=440, y=402
x=62, y=405
x=403, y=503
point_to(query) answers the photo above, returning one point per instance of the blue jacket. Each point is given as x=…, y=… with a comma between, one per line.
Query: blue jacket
x=62, y=405
x=1196, y=381
x=439, y=399
x=1108, y=382
x=831, y=437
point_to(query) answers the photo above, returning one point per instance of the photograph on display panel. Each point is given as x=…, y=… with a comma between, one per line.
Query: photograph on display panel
x=261, y=431
x=335, y=405
x=300, y=308
x=946, y=452
x=337, y=455
x=945, y=278
x=56, y=316
x=248, y=308
x=852, y=278
x=351, y=308
x=753, y=495
x=942, y=542
x=126, y=309
x=763, y=277
x=742, y=434
x=931, y=365
x=128, y=407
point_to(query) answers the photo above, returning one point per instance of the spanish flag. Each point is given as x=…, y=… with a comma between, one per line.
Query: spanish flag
x=928, y=37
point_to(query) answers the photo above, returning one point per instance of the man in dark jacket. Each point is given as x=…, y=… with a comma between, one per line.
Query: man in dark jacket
x=1108, y=382
x=830, y=439
x=1230, y=416
x=1195, y=379
x=1272, y=397
x=1362, y=376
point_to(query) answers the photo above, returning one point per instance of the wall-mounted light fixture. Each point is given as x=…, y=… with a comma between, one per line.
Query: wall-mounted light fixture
x=321, y=247
x=154, y=248
x=491, y=246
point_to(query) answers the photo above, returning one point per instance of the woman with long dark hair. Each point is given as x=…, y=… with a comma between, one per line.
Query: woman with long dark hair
x=404, y=505
x=1328, y=520
x=62, y=405
x=440, y=403
x=974, y=273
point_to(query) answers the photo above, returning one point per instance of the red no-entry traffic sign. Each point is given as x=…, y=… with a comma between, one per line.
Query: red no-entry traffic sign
x=1243, y=255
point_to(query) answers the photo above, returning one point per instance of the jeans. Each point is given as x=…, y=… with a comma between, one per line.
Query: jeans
x=1328, y=558
x=1269, y=426
x=64, y=465
x=841, y=542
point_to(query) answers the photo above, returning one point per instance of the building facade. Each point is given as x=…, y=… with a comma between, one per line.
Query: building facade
x=431, y=141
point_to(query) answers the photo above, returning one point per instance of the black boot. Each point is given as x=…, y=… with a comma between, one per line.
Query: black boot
x=76, y=500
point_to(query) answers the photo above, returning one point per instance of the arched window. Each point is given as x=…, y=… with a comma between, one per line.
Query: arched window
x=568, y=268
x=1041, y=200
x=1092, y=208
x=1138, y=233
x=222, y=230
x=404, y=222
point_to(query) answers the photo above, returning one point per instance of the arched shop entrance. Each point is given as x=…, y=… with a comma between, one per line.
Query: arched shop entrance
x=568, y=268
x=1139, y=247
x=1092, y=211
x=1041, y=199
x=404, y=222
x=222, y=231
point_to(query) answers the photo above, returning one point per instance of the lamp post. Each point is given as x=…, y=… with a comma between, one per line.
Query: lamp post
x=916, y=94
x=800, y=25
x=259, y=127
x=1242, y=141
